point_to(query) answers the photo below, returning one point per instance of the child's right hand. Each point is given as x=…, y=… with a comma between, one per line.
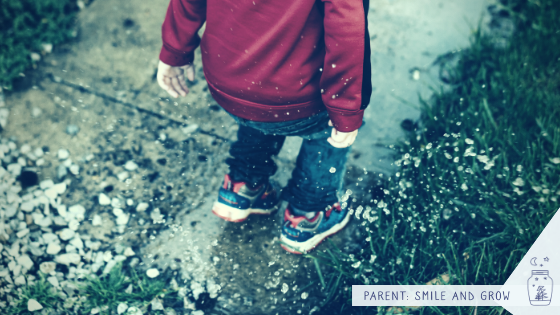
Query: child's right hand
x=339, y=139
x=172, y=79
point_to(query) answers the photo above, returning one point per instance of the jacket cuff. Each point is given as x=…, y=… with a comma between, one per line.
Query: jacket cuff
x=346, y=122
x=175, y=58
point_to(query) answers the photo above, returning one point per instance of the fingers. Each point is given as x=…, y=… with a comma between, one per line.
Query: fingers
x=342, y=139
x=169, y=87
x=330, y=123
x=189, y=69
x=179, y=86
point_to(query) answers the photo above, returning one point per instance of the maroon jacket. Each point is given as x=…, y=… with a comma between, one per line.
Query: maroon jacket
x=277, y=60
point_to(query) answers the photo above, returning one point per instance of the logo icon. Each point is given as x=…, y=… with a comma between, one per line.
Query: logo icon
x=539, y=285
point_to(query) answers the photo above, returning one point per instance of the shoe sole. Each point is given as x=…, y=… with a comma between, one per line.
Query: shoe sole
x=300, y=248
x=232, y=214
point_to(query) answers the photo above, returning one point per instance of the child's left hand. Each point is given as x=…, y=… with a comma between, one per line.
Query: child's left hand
x=340, y=139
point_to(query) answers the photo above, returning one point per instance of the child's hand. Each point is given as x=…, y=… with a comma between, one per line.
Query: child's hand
x=172, y=79
x=340, y=139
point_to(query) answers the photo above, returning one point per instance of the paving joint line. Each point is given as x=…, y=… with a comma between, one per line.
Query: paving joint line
x=130, y=105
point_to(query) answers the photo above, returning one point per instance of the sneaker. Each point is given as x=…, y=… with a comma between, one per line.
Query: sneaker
x=236, y=201
x=300, y=234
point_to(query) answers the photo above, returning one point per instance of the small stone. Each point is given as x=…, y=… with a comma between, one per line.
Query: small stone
x=170, y=311
x=129, y=252
x=26, y=148
x=78, y=211
x=95, y=310
x=49, y=238
x=48, y=183
x=122, y=308
x=38, y=152
x=22, y=233
x=77, y=242
x=15, y=169
x=72, y=130
x=60, y=221
x=53, y=249
x=36, y=112
x=25, y=262
x=152, y=273
x=68, y=258
x=35, y=56
x=33, y=305
x=75, y=169
x=19, y=280
x=129, y=202
x=62, y=210
x=73, y=225
x=109, y=266
x=142, y=207
x=130, y=166
x=66, y=234
x=157, y=305
x=27, y=206
x=47, y=267
x=44, y=222
x=107, y=256
x=10, y=210
x=122, y=176
x=189, y=129
x=54, y=281
x=122, y=219
x=104, y=199
x=47, y=47
x=51, y=193
x=60, y=188
x=63, y=154
x=93, y=245
x=61, y=171
x=96, y=220
x=116, y=203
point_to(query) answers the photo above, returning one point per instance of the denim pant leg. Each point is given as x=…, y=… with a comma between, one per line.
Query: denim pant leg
x=318, y=175
x=251, y=154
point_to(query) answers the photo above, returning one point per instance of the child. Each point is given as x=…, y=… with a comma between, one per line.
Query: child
x=280, y=68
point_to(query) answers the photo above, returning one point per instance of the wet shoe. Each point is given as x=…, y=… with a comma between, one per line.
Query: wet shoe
x=300, y=234
x=236, y=201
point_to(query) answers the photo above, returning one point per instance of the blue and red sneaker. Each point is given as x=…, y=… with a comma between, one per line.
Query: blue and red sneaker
x=301, y=234
x=236, y=201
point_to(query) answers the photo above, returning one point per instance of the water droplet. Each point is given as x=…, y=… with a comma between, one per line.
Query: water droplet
x=332, y=170
x=334, y=65
x=304, y=295
x=285, y=288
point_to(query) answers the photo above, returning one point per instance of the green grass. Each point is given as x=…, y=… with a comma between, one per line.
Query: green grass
x=104, y=292
x=27, y=24
x=479, y=180
x=42, y=291
x=110, y=289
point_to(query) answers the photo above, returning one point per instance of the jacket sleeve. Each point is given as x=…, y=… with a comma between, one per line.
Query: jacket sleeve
x=343, y=71
x=180, y=31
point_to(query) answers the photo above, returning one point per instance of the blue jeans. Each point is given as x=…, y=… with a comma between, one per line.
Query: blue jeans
x=319, y=169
